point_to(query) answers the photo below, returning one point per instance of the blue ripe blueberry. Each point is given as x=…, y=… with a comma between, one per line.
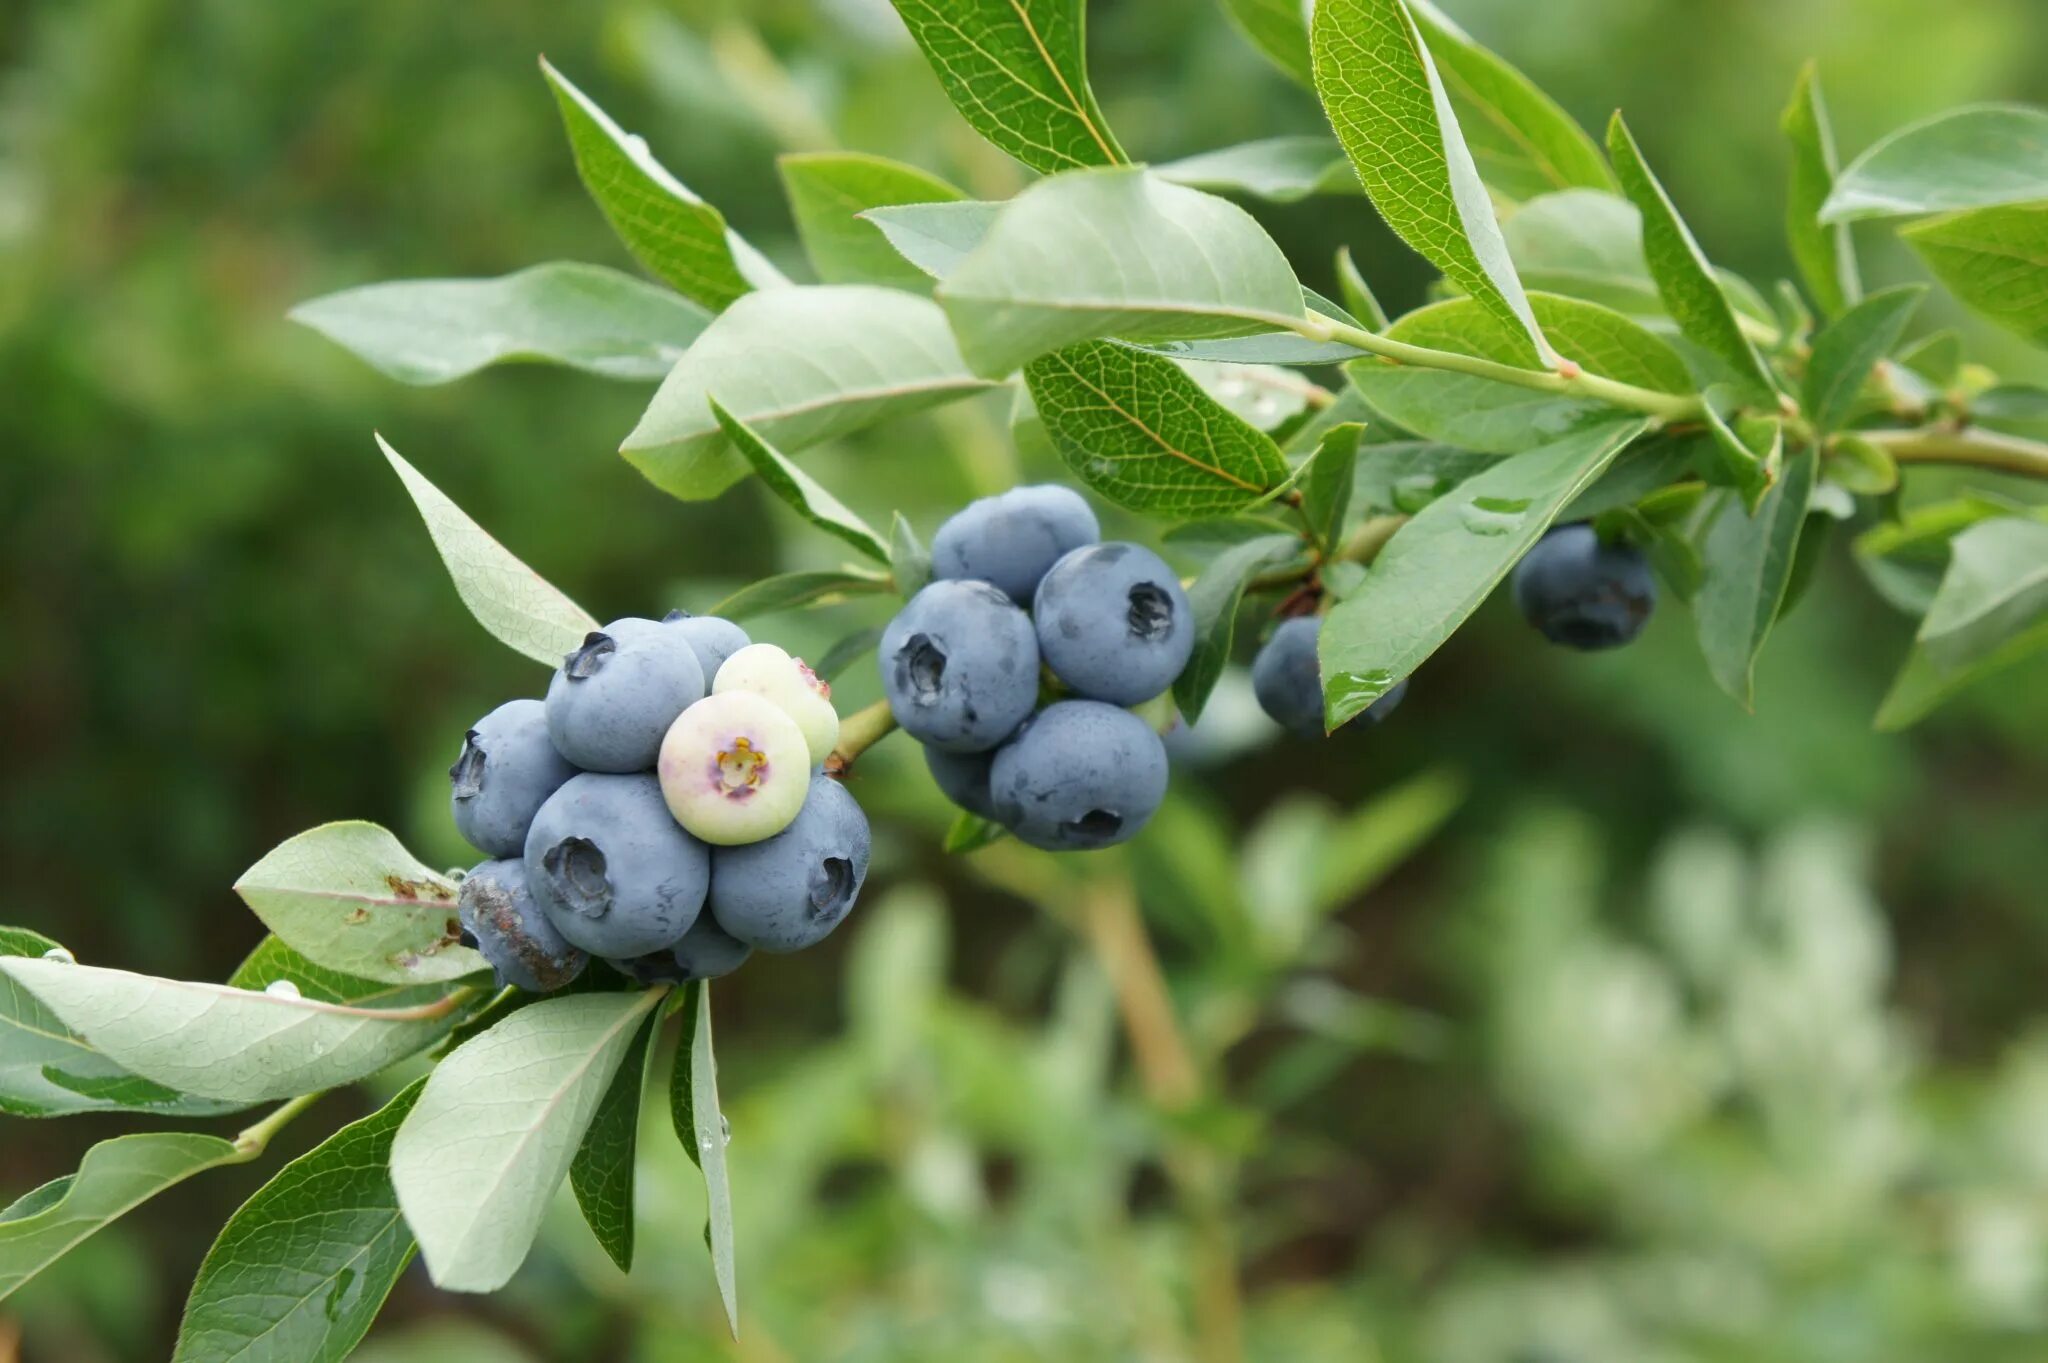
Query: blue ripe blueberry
x=1081, y=775
x=1012, y=538
x=962, y=777
x=1113, y=623
x=1582, y=593
x=613, y=699
x=507, y=926
x=706, y=952
x=507, y=768
x=713, y=638
x=960, y=666
x=612, y=869
x=788, y=892
x=1289, y=683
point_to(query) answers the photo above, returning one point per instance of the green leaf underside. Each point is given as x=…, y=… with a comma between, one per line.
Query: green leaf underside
x=1482, y=414
x=494, y=1132
x=1140, y=431
x=971, y=833
x=301, y=1269
x=847, y=652
x=1406, y=475
x=789, y=591
x=213, y=1041
x=935, y=237
x=1117, y=252
x=1749, y=560
x=828, y=191
x=804, y=494
x=114, y=1177
x=700, y=1126
x=1996, y=588
x=910, y=563
x=799, y=366
x=1277, y=169
x=1391, y=113
x=1977, y=157
x=429, y=331
x=1213, y=600
x=601, y=1175
x=272, y=960
x=1845, y=353
x=1276, y=29
x=349, y=898
x=1750, y=452
x=1439, y=567
x=1332, y=475
x=1692, y=295
x=1017, y=71
x=1995, y=260
x=48, y=1070
x=512, y=602
x=1923, y=684
x=1640, y=471
x=1824, y=253
x=681, y=239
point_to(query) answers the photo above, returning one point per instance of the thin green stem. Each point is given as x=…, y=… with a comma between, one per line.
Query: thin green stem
x=1972, y=446
x=1369, y=538
x=254, y=1140
x=858, y=732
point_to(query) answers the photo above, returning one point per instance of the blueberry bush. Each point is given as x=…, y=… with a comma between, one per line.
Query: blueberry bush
x=1588, y=408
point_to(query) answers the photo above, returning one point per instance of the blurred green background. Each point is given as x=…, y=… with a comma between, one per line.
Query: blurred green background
x=1692, y=1035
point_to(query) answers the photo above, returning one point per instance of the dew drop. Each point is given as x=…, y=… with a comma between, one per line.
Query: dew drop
x=282, y=989
x=1493, y=516
x=725, y=1127
x=1356, y=690
x=60, y=954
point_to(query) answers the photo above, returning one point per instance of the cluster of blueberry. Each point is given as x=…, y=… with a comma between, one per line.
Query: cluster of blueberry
x=664, y=809
x=1028, y=605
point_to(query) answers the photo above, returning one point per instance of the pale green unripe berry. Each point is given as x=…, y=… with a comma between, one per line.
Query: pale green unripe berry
x=772, y=674
x=734, y=769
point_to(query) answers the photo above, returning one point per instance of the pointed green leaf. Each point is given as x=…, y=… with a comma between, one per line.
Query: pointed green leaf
x=302, y=1268
x=497, y=1127
x=676, y=235
x=970, y=833
x=1214, y=599
x=1749, y=560
x=799, y=366
x=792, y=590
x=1845, y=353
x=1923, y=684
x=1277, y=28
x=847, y=652
x=349, y=897
x=1977, y=157
x=1407, y=475
x=1692, y=295
x=1825, y=255
x=1862, y=466
x=428, y=331
x=1017, y=70
x=1439, y=567
x=113, y=1179
x=1142, y=433
x=1332, y=474
x=1996, y=588
x=910, y=563
x=1277, y=169
x=1357, y=294
x=272, y=961
x=700, y=1126
x=1995, y=260
x=214, y=1041
x=1386, y=100
x=601, y=1175
x=805, y=494
x=511, y=601
x=1585, y=244
x=1751, y=451
x=935, y=237
x=829, y=191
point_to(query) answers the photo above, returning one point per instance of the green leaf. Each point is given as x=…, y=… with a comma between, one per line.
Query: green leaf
x=1977, y=157
x=1649, y=466
x=676, y=235
x=601, y=1174
x=1923, y=684
x=970, y=833
x=1748, y=560
x=428, y=331
x=1935, y=357
x=1483, y=414
x=700, y=1126
x=1995, y=260
x=1326, y=490
x=2018, y=408
x=847, y=652
x=1825, y=255
x=799, y=366
x=113, y=1179
x=1692, y=294
x=1114, y=253
x=1141, y=432
x=213, y=1041
x=1407, y=475
x=1586, y=244
x=1358, y=295
x=302, y=1268
x=1751, y=451
x=935, y=237
x=1214, y=598
x=1388, y=104
x=829, y=191
x=48, y=1070
x=910, y=563
x=1277, y=169
x=272, y=961
x=1846, y=351
x=497, y=1127
x=1017, y=70
x=511, y=601
x=350, y=898
x=1996, y=588
x=805, y=495
x=1862, y=466
x=1439, y=567
x=791, y=590
x=1277, y=30
x=1523, y=143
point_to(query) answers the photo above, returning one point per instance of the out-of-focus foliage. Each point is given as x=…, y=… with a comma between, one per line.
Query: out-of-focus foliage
x=1696, y=1035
